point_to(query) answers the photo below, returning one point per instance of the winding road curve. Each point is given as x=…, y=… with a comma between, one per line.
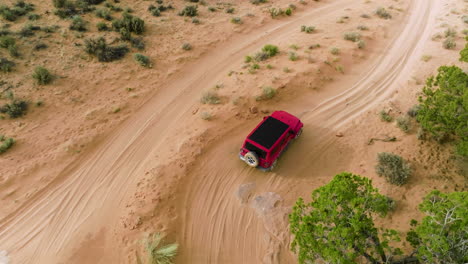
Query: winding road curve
x=84, y=196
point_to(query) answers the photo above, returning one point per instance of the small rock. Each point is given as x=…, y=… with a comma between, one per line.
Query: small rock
x=266, y=111
x=339, y=134
x=194, y=111
x=253, y=110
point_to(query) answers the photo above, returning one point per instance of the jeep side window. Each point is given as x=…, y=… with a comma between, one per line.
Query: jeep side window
x=259, y=152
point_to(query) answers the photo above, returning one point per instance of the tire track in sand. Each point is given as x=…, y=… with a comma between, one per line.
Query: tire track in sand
x=218, y=228
x=84, y=196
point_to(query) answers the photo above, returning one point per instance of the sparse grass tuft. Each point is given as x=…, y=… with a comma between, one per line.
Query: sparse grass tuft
x=293, y=56
x=142, y=60
x=383, y=13
x=230, y=10
x=450, y=32
x=5, y=143
x=404, y=123
x=361, y=44
x=210, y=97
x=158, y=253
x=42, y=75
x=307, y=29
x=236, y=20
x=186, y=46
x=352, y=36
x=267, y=94
x=426, y=58
x=393, y=168
x=105, y=53
x=384, y=116
x=335, y=51
x=449, y=43
x=362, y=27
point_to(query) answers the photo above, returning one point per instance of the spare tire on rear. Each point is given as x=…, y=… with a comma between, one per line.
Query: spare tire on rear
x=251, y=159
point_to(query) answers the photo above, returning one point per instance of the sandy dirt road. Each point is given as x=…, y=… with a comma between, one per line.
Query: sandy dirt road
x=85, y=196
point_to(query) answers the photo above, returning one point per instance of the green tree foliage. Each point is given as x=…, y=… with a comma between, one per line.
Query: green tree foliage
x=442, y=236
x=337, y=225
x=444, y=106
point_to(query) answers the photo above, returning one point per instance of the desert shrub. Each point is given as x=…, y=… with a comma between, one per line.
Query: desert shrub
x=105, y=53
x=112, y=7
x=335, y=51
x=362, y=27
x=314, y=46
x=211, y=9
x=449, y=43
x=236, y=20
x=157, y=253
x=256, y=2
x=307, y=29
x=5, y=143
x=271, y=50
x=293, y=56
x=230, y=10
x=104, y=13
x=15, y=109
x=101, y=26
x=7, y=41
x=444, y=108
x=352, y=36
x=190, y=11
x=186, y=46
x=404, y=123
x=339, y=68
x=464, y=52
x=261, y=56
x=142, y=60
x=68, y=8
x=50, y=29
x=248, y=59
x=288, y=11
x=13, y=50
x=195, y=20
x=137, y=43
x=206, y=116
x=393, y=168
x=274, y=12
x=34, y=17
x=413, y=111
x=20, y=8
x=28, y=30
x=154, y=11
x=384, y=116
x=267, y=93
x=210, y=97
x=42, y=75
x=129, y=23
x=78, y=24
x=6, y=65
x=40, y=46
x=450, y=32
x=383, y=13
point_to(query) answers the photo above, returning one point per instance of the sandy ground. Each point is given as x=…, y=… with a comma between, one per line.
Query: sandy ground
x=106, y=180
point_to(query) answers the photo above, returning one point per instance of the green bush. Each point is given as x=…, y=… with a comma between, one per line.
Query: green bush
x=450, y=32
x=267, y=93
x=393, y=168
x=236, y=20
x=6, y=65
x=230, y=10
x=307, y=29
x=186, y=46
x=383, y=13
x=42, y=75
x=413, y=111
x=288, y=11
x=464, y=52
x=5, y=143
x=352, y=36
x=335, y=51
x=101, y=26
x=444, y=107
x=384, y=116
x=137, y=43
x=274, y=12
x=190, y=11
x=78, y=24
x=404, y=123
x=129, y=23
x=256, y=2
x=157, y=253
x=271, y=50
x=6, y=42
x=210, y=97
x=34, y=17
x=104, y=13
x=449, y=43
x=293, y=56
x=142, y=60
x=15, y=109
x=261, y=56
x=105, y=53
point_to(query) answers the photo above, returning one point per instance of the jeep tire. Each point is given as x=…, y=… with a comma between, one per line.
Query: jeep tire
x=251, y=159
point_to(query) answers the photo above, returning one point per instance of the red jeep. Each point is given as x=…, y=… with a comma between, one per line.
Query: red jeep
x=264, y=144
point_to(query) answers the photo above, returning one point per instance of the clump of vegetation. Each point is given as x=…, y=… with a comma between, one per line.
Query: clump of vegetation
x=105, y=53
x=413, y=111
x=157, y=253
x=362, y=27
x=361, y=44
x=104, y=13
x=293, y=56
x=337, y=225
x=307, y=29
x=271, y=50
x=236, y=20
x=404, y=123
x=137, y=43
x=267, y=93
x=275, y=12
x=449, y=43
x=444, y=108
x=15, y=109
x=383, y=13
x=464, y=52
x=34, y=17
x=6, y=65
x=352, y=36
x=156, y=10
x=78, y=24
x=206, y=116
x=441, y=236
x=142, y=60
x=190, y=11
x=28, y=30
x=426, y=58
x=42, y=75
x=5, y=143
x=129, y=24
x=101, y=26
x=230, y=10
x=393, y=168
x=256, y=2
x=335, y=51
x=450, y=32
x=384, y=116
x=210, y=97
x=68, y=8
x=20, y=8
x=314, y=46
x=186, y=46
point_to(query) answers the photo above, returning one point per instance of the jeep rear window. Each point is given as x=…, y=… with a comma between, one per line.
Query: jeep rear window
x=261, y=153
